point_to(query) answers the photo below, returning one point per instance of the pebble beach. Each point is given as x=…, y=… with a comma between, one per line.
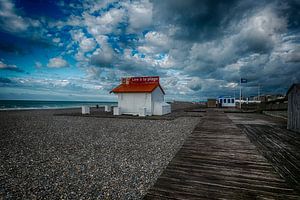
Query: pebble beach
x=48, y=156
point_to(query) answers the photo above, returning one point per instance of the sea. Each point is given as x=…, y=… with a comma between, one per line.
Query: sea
x=34, y=104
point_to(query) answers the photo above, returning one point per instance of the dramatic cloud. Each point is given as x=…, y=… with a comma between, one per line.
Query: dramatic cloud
x=200, y=49
x=57, y=63
x=102, y=59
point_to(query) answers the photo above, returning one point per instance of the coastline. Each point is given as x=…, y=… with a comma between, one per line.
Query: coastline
x=46, y=108
x=40, y=104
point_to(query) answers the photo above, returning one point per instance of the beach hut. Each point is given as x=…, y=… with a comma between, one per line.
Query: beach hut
x=211, y=103
x=294, y=107
x=226, y=102
x=141, y=96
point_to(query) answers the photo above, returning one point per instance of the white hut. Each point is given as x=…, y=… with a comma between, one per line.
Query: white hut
x=294, y=108
x=226, y=102
x=141, y=96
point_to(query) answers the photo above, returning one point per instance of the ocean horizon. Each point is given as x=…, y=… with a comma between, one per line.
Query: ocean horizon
x=44, y=104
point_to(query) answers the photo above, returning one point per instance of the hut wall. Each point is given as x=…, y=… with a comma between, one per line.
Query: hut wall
x=294, y=109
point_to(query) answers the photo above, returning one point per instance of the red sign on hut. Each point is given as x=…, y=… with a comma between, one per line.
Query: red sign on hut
x=141, y=80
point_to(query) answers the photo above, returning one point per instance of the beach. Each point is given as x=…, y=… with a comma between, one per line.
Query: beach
x=47, y=154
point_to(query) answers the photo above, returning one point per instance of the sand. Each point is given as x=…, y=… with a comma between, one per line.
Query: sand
x=43, y=155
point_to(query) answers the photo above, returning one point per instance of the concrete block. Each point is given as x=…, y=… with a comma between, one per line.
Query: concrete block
x=117, y=111
x=107, y=108
x=85, y=110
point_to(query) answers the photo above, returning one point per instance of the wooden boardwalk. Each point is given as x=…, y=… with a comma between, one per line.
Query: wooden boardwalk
x=218, y=161
x=280, y=146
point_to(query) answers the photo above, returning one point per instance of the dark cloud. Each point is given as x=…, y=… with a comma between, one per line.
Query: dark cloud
x=293, y=57
x=104, y=60
x=5, y=80
x=238, y=39
x=254, y=43
x=197, y=20
x=10, y=48
x=125, y=62
x=292, y=11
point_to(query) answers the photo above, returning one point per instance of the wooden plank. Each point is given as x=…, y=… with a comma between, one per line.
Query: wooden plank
x=281, y=147
x=218, y=161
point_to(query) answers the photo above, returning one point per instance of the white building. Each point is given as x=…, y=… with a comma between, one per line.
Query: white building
x=226, y=102
x=141, y=96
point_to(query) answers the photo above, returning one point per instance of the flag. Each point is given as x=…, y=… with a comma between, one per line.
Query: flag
x=243, y=80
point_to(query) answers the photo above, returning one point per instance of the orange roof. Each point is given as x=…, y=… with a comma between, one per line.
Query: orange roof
x=137, y=88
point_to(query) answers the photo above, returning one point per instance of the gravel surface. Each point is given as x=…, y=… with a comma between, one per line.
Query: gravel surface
x=51, y=157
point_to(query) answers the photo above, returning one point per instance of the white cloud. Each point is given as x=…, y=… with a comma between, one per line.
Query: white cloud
x=155, y=43
x=84, y=43
x=11, y=21
x=87, y=44
x=77, y=35
x=92, y=7
x=105, y=23
x=157, y=39
x=5, y=66
x=140, y=15
x=56, y=40
x=57, y=62
x=74, y=20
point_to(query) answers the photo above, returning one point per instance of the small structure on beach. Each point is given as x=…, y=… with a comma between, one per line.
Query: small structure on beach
x=211, y=103
x=294, y=108
x=141, y=96
x=85, y=110
x=226, y=102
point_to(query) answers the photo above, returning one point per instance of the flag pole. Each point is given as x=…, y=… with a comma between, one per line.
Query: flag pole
x=258, y=92
x=240, y=93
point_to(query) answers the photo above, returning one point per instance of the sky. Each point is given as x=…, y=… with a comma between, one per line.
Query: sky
x=79, y=50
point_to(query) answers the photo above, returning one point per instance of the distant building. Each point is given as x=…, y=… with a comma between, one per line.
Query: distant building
x=267, y=98
x=294, y=107
x=260, y=98
x=226, y=102
x=141, y=96
x=211, y=103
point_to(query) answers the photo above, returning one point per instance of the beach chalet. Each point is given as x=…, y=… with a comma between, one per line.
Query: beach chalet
x=226, y=102
x=211, y=103
x=141, y=96
x=294, y=108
